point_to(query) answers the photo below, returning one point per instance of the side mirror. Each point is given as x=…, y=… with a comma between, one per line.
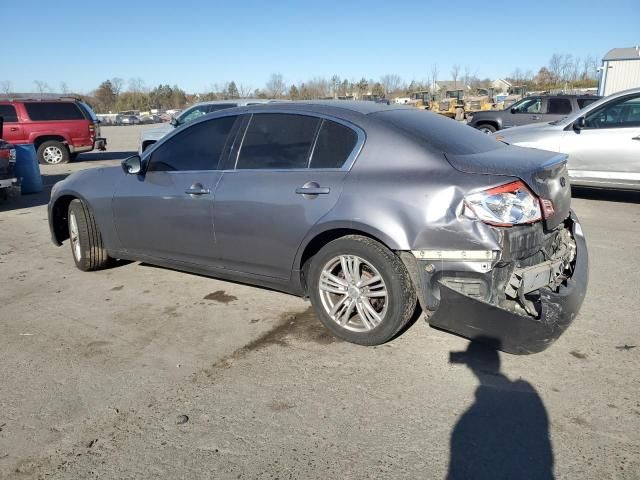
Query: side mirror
x=580, y=123
x=174, y=122
x=132, y=165
x=513, y=110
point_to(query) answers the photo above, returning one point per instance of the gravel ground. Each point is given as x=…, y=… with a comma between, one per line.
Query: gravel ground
x=141, y=372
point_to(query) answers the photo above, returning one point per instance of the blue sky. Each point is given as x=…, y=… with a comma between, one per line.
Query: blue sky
x=196, y=44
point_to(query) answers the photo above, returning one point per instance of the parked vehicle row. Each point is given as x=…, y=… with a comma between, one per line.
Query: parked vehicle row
x=7, y=165
x=59, y=129
x=367, y=209
x=602, y=141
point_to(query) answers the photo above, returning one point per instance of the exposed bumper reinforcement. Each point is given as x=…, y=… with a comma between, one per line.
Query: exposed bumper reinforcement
x=509, y=331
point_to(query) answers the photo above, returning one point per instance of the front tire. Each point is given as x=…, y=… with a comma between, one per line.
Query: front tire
x=87, y=248
x=361, y=290
x=53, y=152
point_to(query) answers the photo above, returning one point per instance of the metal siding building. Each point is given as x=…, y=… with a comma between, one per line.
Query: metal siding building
x=620, y=70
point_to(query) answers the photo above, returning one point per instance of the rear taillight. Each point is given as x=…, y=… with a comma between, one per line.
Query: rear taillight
x=92, y=130
x=8, y=154
x=506, y=205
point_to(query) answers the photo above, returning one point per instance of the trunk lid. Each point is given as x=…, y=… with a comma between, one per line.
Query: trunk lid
x=545, y=173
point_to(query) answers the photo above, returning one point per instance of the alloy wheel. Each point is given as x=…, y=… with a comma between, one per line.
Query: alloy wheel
x=353, y=293
x=74, y=236
x=52, y=154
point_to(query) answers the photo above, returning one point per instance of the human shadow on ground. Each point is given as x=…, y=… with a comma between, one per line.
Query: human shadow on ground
x=505, y=432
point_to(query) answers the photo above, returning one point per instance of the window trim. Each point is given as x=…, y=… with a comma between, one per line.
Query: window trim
x=346, y=166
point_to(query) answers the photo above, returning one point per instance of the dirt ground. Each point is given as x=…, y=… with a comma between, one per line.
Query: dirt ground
x=143, y=372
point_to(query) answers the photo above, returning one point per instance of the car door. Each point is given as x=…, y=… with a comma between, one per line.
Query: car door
x=607, y=150
x=168, y=211
x=288, y=173
x=528, y=110
x=12, y=131
x=556, y=108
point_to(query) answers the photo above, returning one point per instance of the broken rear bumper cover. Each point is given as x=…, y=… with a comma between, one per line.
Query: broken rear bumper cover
x=520, y=299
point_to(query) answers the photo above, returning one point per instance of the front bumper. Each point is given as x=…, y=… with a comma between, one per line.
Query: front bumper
x=505, y=329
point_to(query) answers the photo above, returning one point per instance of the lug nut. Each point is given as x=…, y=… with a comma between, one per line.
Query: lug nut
x=430, y=268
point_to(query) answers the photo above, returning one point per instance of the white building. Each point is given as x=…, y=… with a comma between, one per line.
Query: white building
x=620, y=70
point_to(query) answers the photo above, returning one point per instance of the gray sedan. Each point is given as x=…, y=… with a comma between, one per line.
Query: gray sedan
x=369, y=210
x=601, y=140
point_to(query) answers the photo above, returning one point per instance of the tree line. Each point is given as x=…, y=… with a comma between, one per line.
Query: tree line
x=113, y=95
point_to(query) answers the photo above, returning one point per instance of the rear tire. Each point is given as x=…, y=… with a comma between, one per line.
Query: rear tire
x=372, y=301
x=53, y=152
x=486, y=128
x=87, y=248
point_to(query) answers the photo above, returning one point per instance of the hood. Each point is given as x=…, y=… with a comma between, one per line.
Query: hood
x=527, y=133
x=545, y=173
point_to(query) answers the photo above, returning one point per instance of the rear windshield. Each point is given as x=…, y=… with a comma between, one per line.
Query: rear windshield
x=88, y=111
x=442, y=133
x=583, y=102
x=40, y=111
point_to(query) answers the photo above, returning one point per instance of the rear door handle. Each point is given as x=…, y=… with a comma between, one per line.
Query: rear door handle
x=197, y=189
x=312, y=188
x=13, y=129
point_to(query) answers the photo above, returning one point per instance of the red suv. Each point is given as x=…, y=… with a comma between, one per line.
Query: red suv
x=59, y=129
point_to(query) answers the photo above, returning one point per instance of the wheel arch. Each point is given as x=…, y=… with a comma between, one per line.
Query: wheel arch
x=58, y=215
x=40, y=139
x=493, y=123
x=319, y=238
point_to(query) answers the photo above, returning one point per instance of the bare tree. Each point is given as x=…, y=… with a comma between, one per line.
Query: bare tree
x=244, y=90
x=64, y=89
x=275, y=86
x=117, y=83
x=434, y=76
x=466, y=76
x=555, y=66
x=391, y=82
x=136, y=85
x=455, y=73
x=5, y=87
x=567, y=67
x=41, y=87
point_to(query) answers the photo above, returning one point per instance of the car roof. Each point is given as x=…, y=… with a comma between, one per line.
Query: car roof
x=362, y=107
x=237, y=101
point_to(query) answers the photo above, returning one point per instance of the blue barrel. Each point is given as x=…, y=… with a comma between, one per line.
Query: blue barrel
x=27, y=168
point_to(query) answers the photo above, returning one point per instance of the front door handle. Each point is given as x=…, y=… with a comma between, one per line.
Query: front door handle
x=535, y=117
x=197, y=189
x=636, y=138
x=312, y=188
x=13, y=129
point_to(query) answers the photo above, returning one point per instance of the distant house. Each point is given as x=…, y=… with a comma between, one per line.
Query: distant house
x=501, y=85
x=620, y=70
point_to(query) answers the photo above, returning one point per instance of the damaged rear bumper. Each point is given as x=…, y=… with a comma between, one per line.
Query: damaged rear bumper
x=478, y=310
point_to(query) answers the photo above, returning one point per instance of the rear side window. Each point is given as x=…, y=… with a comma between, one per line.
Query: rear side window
x=583, y=102
x=277, y=141
x=43, y=111
x=8, y=113
x=334, y=145
x=559, y=106
x=197, y=147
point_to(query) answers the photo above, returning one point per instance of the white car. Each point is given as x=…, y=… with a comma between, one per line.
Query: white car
x=151, y=136
x=602, y=141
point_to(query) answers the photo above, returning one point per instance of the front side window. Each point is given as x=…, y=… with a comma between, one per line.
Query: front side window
x=44, y=111
x=334, y=144
x=583, y=102
x=528, y=105
x=620, y=113
x=197, y=147
x=559, y=106
x=277, y=141
x=8, y=113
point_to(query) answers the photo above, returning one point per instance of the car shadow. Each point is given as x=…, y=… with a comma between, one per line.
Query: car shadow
x=504, y=434
x=96, y=156
x=17, y=201
x=587, y=193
